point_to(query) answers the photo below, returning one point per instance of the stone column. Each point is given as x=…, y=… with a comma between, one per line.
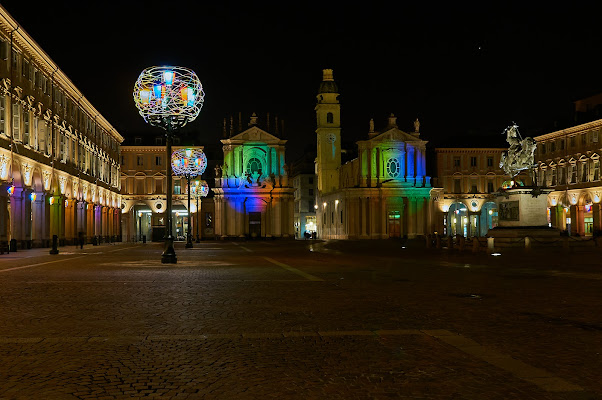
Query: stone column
x=580, y=220
x=412, y=217
x=69, y=220
x=420, y=216
x=90, y=221
x=4, y=216
x=81, y=218
x=57, y=217
x=410, y=170
x=574, y=219
x=383, y=218
x=38, y=229
x=597, y=227
x=277, y=216
x=268, y=218
x=18, y=217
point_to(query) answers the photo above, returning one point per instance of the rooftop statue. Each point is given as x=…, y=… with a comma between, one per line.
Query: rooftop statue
x=520, y=154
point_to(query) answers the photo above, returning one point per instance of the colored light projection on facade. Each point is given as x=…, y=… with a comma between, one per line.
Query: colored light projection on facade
x=253, y=197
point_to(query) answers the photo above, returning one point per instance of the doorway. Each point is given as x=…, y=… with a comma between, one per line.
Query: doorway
x=255, y=224
x=394, y=224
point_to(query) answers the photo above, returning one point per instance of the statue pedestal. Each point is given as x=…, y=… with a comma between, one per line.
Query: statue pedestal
x=522, y=212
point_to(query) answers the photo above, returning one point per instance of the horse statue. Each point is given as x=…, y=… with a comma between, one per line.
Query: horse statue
x=521, y=153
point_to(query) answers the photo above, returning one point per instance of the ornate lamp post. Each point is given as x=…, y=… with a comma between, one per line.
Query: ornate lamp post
x=168, y=97
x=189, y=163
x=200, y=189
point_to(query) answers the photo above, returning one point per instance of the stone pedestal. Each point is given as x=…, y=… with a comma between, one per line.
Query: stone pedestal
x=522, y=213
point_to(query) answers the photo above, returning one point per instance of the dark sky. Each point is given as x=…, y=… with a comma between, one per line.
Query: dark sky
x=466, y=70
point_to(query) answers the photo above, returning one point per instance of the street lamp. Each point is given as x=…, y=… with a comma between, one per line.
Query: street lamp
x=169, y=98
x=200, y=189
x=140, y=225
x=189, y=163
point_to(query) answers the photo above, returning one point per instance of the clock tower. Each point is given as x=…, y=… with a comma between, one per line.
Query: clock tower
x=328, y=116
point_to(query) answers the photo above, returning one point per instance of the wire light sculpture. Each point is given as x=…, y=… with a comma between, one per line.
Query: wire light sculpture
x=188, y=162
x=168, y=97
x=200, y=189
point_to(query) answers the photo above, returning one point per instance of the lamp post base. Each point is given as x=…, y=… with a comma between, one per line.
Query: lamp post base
x=198, y=239
x=189, y=242
x=169, y=254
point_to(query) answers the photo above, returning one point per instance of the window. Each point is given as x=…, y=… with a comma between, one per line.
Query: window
x=543, y=148
x=473, y=161
x=139, y=160
x=332, y=217
x=139, y=186
x=42, y=136
x=341, y=216
x=311, y=192
x=159, y=186
x=393, y=168
x=583, y=175
x=15, y=60
x=584, y=138
x=254, y=167
x=490, y=187
x=562, y=144
x=177, y=189
x=138, y=140
x=596, y=169
x=457, y=186
x=456, y=161
x=26, y=127
x=25, y=69
x=329, y=118
x=2, y=113
x=158, y=160
x=572, y=141
x=122, y=160
x=573, y=173
x=552, y=146
x=159, y=142
x=310, y=205
x=595, y=136
x=554, y=175
x=311, y=180
x=490, y=161
x=473, y=189
x=16, y=122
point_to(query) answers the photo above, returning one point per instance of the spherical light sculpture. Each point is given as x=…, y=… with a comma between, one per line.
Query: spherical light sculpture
x=168, y=97
x=200, y=189
x=188, y=162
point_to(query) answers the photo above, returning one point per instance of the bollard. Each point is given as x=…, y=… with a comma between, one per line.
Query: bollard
x=475, y=245
x=490, y=245
x=450, y=243
x=438, y=241
x=527, y=243
x=461, y=242
x=143, y=238
x=55, y=243
x=13, y=245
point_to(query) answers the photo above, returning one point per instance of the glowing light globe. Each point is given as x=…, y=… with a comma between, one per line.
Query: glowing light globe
x=188, y=162
x=200, y=189
x=168, y=97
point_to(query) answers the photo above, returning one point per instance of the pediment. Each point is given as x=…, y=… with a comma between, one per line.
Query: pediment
x=254, y=134
x=394, y=135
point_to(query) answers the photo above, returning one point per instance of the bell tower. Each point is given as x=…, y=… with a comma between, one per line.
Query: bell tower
x=328, y=116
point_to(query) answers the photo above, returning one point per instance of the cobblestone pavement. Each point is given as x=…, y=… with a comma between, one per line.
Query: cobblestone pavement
x=300, y=320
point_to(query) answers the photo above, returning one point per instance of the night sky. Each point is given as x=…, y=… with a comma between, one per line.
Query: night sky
x=466, y=71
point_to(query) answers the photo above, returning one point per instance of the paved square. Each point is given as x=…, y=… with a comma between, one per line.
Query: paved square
x=299, y=320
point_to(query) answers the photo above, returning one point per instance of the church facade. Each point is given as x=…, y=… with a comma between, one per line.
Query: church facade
x=252, y=193
x=384, y=192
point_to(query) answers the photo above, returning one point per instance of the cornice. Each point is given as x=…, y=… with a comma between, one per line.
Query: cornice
x=570, y=131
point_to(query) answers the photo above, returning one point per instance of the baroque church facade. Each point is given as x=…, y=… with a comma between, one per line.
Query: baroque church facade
x=252, y=194
x=384, y=192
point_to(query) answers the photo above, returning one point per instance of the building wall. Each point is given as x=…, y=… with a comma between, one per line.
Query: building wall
x=59, y=168
x=569, y=162
x=144, y=197
x=305, y=186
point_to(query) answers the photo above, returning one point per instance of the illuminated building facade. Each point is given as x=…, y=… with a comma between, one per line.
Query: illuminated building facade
x=469, y=177
x=59, y=168
x=382, y=193
x=253, y=195
x=569, y=162
x=144, y=199
x=305, y=202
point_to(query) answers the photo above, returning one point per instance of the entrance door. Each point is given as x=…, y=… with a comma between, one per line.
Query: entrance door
x=394, y=224
x=255, y=224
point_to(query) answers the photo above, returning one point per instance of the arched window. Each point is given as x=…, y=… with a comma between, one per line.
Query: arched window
x=329, y=118
x=393, y=167
x=254, y=166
